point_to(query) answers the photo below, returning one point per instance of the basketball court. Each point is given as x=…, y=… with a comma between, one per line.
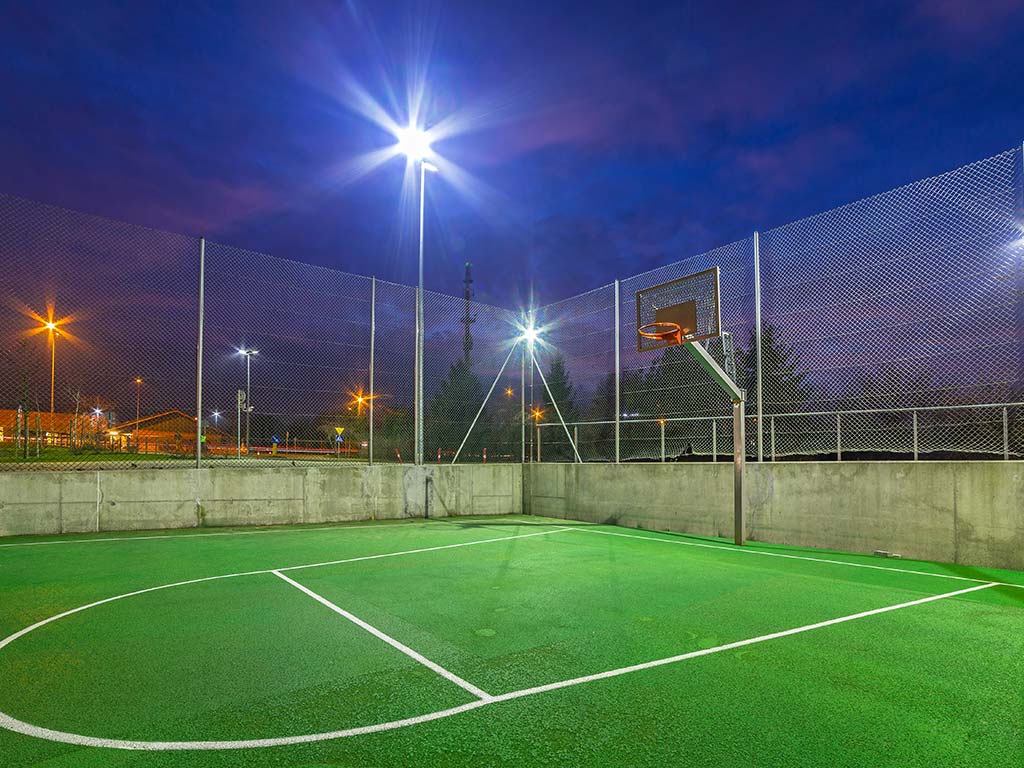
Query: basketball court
x=516, y=640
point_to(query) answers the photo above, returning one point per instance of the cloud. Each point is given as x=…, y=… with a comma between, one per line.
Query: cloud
x=963, y=21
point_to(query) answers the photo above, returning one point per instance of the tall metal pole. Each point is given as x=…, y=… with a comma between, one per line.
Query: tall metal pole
x=199, y=354
x=248, y=395
x=373, y=334
x=418, y=374
x=53, y=370
x=522, y=402
x=738, y=448
x=757, y=344
x=618, y=376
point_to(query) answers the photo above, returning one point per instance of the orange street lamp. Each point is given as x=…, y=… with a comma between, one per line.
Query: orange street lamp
x=359, y=400
x=52, y=328
x=537, y=413
x=509, y=392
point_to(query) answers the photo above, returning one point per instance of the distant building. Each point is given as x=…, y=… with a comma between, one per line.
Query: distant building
x=169, y=432
x=64, y=429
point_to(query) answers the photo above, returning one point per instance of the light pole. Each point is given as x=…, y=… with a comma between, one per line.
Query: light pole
x=138, y=403
x=248, y=353
x=414, y=143
x=52, y=328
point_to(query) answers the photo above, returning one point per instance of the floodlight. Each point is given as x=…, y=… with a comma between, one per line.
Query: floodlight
x=530, y=334
x=413, y=143
x=430, y=167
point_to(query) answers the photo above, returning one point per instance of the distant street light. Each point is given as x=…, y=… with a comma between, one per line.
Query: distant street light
x=52, y=327
x=248, y=353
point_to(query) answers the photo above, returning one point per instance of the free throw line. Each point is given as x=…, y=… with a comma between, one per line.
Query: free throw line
x=437, y=668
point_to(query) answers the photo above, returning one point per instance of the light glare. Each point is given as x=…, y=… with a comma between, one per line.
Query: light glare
x=414, y=143
x=530, y=334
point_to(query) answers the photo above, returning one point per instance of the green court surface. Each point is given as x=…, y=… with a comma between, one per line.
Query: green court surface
x=499, y=641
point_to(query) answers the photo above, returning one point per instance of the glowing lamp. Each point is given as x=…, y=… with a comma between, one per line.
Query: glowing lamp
x=414, y=144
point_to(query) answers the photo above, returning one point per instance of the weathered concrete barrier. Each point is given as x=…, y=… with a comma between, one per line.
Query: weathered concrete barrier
x=139, y=499
x=959, y=512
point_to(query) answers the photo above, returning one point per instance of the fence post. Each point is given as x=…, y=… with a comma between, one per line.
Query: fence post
x=773, y=437
x=618, y=375
x=373, y=339
x=522, y=401
x=839, y=437
x=915, y=435
x=199, y=355
x=714, y=440
x=662, y=423
x=757, y=344
x=739, y=451
x=538, y=443
x=1006, y=434
x=576, y=435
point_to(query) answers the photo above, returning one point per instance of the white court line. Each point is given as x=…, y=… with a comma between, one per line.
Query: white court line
x=12, y=724
x=746, y=551
x=398, y=523
x=11, y=638
x=437, y=668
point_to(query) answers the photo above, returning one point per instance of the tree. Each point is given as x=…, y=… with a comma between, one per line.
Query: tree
x=786, y=388
x=450, y=413
x=563, y=394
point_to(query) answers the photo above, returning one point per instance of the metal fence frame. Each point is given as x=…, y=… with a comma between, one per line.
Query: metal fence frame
x=747, y=260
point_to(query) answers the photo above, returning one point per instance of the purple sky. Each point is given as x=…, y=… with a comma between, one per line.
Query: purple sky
x=608, y=137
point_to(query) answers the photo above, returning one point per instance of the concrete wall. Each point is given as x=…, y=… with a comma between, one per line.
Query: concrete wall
x=138, y=499
x=961, y=512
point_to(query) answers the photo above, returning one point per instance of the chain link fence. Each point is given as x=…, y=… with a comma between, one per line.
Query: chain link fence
x=99, y=326
x=892, y=327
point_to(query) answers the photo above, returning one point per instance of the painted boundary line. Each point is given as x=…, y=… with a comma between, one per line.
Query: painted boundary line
x=746, y=551
x=339, y=526
x=20, y=633
x=437, y=668
x=12, y=724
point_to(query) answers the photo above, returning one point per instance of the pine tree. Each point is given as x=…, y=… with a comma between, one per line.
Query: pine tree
x=786, y=388
x=563, y=394
x=450, y=413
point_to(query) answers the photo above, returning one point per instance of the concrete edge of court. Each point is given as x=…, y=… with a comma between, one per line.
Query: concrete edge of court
x=41, y=503
x=968, y=512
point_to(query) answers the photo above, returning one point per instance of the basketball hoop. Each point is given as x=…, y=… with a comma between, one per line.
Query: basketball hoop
x=662, y=331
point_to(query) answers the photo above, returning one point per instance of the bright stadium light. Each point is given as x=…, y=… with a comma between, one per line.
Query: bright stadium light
x=530, y=334
x=414, y=143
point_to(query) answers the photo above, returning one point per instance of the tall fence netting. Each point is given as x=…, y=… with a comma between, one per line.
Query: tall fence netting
x=892, y=327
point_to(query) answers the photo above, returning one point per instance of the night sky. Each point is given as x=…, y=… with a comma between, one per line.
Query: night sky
x=602, y=139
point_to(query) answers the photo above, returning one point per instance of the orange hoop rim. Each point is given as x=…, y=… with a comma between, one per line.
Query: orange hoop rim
x=670, y=332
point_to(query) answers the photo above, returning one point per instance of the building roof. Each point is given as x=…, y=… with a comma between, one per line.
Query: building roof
x=168, y=421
